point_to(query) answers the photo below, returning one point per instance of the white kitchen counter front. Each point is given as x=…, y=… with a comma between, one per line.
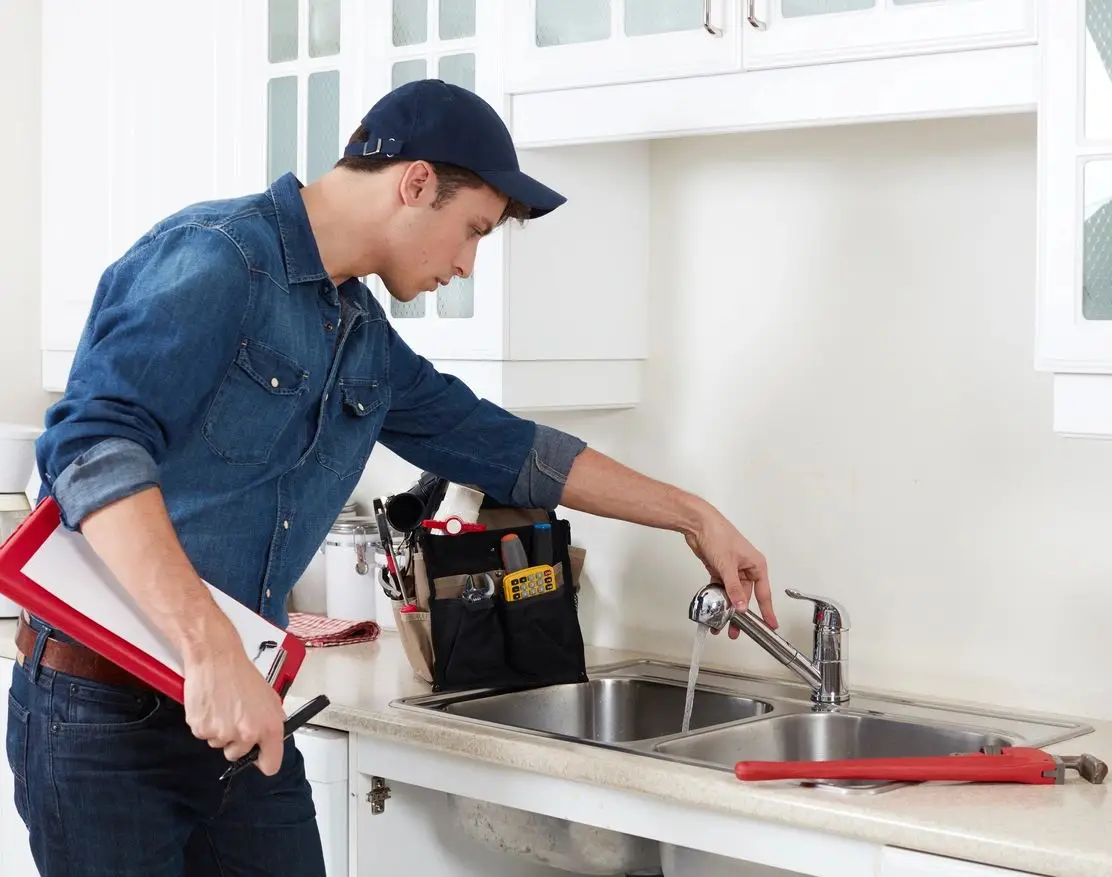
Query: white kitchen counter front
x=1054, y=830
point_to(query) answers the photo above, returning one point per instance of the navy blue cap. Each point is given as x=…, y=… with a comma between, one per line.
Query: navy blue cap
x=436, y=121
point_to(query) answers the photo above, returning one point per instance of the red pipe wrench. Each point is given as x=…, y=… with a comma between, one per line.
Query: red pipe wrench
x=993, y=764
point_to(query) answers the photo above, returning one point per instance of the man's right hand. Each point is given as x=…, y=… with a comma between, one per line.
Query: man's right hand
x=227, y=701
x=229, y=704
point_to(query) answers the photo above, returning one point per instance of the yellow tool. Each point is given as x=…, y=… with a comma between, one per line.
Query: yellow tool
x=529, y=582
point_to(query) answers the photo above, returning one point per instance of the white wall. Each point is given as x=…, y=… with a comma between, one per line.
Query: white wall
x=21, y=400
x=842, y=326
x=842, y=360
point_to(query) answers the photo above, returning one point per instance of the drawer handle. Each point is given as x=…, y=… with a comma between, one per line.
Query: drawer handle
x=752, y=16
x=707, y=26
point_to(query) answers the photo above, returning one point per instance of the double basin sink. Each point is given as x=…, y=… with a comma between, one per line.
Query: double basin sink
x=637, y=707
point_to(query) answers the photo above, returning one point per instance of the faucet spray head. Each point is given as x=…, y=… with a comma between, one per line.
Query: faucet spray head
x=711, y=607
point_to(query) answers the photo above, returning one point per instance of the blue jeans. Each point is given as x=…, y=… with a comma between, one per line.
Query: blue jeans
x=112, y=783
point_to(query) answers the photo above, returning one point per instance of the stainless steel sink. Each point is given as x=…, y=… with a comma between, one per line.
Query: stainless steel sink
x=606, y=710
x=637, y=707
x=829, y=736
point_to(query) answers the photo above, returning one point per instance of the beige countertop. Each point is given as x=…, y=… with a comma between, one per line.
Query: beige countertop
x=1064, y=831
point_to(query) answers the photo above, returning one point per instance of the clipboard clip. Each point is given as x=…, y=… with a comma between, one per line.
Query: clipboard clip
x=295, y=720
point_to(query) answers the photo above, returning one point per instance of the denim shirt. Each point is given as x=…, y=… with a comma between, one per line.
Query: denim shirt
x=221, y=363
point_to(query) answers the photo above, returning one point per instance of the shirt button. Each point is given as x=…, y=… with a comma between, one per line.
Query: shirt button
x=268, y=593
x=328, y=327
x=359, y=405
x=274, y=382
x=285, y=525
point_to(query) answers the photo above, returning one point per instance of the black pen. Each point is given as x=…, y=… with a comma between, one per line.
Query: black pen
x=292, y=723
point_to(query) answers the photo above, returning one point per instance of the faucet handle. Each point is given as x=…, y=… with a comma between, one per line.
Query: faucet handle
x=829, y=614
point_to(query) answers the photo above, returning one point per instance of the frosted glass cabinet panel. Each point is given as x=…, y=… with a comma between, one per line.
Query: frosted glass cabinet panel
x=645, y=17
x=553, y=44
x=281, y=127
x=410, y=22
x=458, y=70
x=799, y=8
x=282, y=31
x=324, y=28
x=563, y=22
x=786, y=33
x=1096, y=250
x=457, y=19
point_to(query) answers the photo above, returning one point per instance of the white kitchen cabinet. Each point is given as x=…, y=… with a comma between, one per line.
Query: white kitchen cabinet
x=15, y=850
x=897, y=862
x=556, y=44
x=416, y=834
x=139, y=106
x=781, y=33
x=1074, y=325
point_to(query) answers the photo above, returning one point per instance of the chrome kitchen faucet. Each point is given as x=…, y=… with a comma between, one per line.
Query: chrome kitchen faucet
x=825, y=672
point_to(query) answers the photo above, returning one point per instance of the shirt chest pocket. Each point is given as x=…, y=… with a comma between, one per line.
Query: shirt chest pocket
x=254, y=404
x=352, y=417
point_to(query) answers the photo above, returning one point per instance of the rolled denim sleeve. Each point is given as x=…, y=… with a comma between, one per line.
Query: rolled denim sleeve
x=163, y=322
x=437, y=423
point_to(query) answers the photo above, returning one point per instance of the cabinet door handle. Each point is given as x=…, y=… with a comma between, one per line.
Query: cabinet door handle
x=752, y=16
x=707, y=26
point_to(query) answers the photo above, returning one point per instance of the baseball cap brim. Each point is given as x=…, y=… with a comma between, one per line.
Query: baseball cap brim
x=521, y=187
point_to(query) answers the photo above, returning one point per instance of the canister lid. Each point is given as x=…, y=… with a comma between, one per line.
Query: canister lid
x=14, y=502
x=355, y=524
x=19, y=431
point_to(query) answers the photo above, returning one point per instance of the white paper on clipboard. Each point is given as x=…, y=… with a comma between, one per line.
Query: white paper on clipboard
x=69, y=568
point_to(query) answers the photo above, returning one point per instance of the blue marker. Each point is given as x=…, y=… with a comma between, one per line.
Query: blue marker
x=542, y=544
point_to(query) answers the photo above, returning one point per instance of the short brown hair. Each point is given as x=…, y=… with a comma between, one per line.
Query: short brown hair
x=450, y=178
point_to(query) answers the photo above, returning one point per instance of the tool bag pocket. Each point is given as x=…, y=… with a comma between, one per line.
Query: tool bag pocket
x=481, y=639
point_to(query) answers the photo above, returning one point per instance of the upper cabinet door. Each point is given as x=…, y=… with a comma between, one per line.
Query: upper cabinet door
x=1075, y=188
x=552, y=44
x=457, y=41
x=783, y=33
x=148, y=91
x=302, y=92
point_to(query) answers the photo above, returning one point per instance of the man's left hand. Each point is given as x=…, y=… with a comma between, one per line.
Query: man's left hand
x=731, y=559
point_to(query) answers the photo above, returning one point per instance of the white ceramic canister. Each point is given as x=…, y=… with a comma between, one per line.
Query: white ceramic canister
x=310, y=592
x=350, y=572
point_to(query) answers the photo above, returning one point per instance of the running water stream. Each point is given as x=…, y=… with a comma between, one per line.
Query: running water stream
x=701, y=631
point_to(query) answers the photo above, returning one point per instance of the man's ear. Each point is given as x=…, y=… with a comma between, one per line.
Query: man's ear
x=418, y=184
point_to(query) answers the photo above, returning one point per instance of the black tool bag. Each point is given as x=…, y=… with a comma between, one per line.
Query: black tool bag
x=481, y=639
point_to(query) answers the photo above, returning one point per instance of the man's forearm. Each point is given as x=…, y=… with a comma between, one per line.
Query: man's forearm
x=602, y=486
x=136, y=540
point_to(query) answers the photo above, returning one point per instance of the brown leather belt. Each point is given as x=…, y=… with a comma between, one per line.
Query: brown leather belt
x=74, y=659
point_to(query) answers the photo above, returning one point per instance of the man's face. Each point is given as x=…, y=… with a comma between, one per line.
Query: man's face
x=431, y=245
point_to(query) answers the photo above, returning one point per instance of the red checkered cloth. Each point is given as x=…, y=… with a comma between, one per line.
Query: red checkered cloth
x=319, y=630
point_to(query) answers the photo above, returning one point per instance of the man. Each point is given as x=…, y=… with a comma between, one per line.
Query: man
x=232, y=379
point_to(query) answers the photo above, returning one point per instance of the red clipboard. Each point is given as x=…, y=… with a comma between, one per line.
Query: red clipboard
x=55, y=574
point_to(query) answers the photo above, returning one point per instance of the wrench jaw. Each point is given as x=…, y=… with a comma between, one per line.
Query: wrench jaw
x=1088, y=766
